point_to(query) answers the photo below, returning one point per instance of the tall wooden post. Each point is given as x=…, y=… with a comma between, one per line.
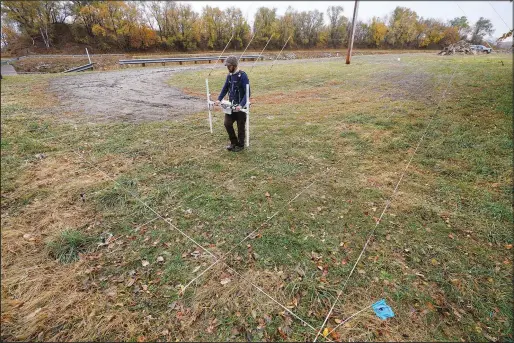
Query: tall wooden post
x=354, y=22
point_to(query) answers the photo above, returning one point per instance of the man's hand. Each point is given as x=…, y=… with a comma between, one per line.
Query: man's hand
x=217, y=102
x=238, y=108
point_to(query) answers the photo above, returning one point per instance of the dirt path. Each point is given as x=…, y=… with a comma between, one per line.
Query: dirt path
x=142, y=94
x=7, y=69
x=128, y=95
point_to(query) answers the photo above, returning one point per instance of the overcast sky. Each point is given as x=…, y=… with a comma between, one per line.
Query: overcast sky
x=444, y=10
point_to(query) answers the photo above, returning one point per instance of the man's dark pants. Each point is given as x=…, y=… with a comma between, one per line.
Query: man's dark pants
x=240, y=118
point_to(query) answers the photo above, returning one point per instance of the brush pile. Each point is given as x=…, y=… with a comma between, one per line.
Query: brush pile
x=461, y=47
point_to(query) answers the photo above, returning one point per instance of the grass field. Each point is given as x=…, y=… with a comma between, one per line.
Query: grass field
x=152, y=231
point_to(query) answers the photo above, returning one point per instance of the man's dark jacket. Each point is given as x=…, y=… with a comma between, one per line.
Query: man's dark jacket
x=235, y=85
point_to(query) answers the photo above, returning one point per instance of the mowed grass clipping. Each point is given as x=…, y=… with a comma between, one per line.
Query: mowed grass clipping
x=177, y=239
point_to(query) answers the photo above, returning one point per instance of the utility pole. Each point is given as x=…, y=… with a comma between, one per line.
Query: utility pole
x=350, y=45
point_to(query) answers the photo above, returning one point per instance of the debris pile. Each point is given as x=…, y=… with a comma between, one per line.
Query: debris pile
x=461, y=47
x=290, y=56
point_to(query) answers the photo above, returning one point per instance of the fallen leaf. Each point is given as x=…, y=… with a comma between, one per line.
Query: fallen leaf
x=434, y=262
x=225, y=281
x=141, y=339
x=430, y=306
x=145, y=287
x=325, y=332
x=160, y=259
x=145, y=263
x=130, y=282
x=343, y=262
x=282, y=333
x=338, y=321
x=197, y=269
x=335, y=336
x=267, y=195
x=508, y=246
x=450, y=235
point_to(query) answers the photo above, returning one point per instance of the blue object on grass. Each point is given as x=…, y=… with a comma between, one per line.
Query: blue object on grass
x=382, y=310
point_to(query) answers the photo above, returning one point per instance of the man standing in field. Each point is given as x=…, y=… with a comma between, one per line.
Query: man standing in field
x=235, y=86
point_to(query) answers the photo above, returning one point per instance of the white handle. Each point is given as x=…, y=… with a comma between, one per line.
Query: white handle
x=247, y=126
x=209, y=103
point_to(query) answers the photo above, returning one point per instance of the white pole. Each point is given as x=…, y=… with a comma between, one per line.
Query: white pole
x=247, y=126
x=89, y=58
x=209, y=103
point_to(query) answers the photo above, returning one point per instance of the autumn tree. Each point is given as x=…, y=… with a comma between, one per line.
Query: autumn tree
x=140, y=25
x=430, y=31
x=337, y=27
x=9, y=34
x=286, y=28
x=378, y=31
x=265, y=24
x=362, y=36
x=215, y=33
x=185, y=36
x=481, y=28
x=239, y=27
x=86, y=14
x=402, y=27
x=462, y=25
x=35, y=18
x=308, y=26
x=451, y=36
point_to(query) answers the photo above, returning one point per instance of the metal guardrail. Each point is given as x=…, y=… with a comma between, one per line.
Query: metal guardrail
x=81, y=68
x=57, y=56
x=180, y=60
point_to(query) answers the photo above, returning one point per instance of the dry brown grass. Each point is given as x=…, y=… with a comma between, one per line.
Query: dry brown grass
x=34, y=95
x=59, y=64
x=40, y=295
x=223, y=293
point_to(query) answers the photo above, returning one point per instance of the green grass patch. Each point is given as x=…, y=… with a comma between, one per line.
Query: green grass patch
x=66, y=247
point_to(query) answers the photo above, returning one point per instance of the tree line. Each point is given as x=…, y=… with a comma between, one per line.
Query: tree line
x=175, y=26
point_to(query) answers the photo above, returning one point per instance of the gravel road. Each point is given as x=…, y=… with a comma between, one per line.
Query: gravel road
x=131, y=95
